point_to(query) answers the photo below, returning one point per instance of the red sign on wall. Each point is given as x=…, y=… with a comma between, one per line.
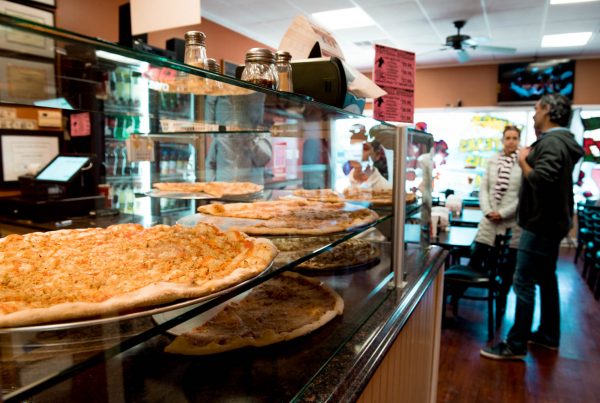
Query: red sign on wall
x=394, y=71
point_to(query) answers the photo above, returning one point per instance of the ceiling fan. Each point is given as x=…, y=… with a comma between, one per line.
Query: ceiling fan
x=461, y=43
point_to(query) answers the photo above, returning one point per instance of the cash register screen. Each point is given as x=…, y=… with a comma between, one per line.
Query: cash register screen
x=62, y=168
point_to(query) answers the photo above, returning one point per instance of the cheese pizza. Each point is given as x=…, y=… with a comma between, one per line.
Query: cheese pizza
x=294, y=217
x=283, y=308
x=216, y=189
x=69, y=274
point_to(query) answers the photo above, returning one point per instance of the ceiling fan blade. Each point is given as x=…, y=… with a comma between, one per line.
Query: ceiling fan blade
x=462, y=56
x=497, y=49
x=431, y=51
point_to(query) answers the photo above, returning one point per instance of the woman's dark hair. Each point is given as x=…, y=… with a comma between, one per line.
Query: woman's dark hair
x=559, y=108
x=511, y=127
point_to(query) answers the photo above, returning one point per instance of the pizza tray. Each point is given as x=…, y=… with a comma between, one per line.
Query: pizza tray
x=346, y=269
x=201, y=195
x=179, y=195
x=125, y=316
x=197, y=320
x=223, y=223
x=226, y=223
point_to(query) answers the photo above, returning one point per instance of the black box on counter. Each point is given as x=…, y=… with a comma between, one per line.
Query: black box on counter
x=43, y=210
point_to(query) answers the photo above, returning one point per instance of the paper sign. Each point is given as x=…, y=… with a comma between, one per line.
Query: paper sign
x=394, y=71
x=157, y=15
x=303, y=35
x=80, y=124
x=394, y=68
x=139, y=148
x=49, y=118
x=397, y=106
x=279, y=159
x=305, y=39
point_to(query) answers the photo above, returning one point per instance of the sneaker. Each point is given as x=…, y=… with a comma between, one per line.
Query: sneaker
x=501, y=351
x=537, y=339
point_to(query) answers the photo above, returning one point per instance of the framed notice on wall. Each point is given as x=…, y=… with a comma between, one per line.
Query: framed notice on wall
x=24, y=81
x=23, y=41
x=25, y=153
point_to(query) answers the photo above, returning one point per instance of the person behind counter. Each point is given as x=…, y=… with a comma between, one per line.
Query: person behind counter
x=369, y=178
x=373, y=151
x=240, y=156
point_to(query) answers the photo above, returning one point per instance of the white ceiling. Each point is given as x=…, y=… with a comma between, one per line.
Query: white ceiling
x=421, y=26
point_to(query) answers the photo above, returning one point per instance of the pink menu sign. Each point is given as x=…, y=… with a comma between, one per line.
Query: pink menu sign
x=394, y=72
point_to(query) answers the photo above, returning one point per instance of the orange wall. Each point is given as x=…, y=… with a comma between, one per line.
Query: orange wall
x=435, y=87
x=97, y=18
x=476, y=85
x=100, y=18
x=221, y=43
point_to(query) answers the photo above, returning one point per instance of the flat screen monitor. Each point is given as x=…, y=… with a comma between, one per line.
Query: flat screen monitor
x=63, y=168
x=526, y=82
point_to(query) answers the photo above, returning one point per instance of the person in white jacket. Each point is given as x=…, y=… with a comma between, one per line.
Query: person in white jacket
x=498, y=200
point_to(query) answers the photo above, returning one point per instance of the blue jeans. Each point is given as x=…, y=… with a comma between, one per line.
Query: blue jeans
x=536, y=264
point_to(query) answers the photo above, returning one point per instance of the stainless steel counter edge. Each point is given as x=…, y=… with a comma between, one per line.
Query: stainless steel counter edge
x=344, y=378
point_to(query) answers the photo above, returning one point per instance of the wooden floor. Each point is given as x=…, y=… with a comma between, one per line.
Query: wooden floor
x=569, y=375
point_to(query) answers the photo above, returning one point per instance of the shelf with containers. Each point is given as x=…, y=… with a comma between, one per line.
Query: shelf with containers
x=228, y=129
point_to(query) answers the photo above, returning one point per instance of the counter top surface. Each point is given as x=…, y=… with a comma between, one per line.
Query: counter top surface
x=328, y=363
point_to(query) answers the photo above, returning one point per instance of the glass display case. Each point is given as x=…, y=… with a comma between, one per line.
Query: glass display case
x=147, y=120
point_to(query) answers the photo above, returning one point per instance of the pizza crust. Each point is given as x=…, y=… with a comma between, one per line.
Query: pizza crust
x=323, y=195
x=253, y=257
x=283, y=299
x=294, y=217
x=216, y=189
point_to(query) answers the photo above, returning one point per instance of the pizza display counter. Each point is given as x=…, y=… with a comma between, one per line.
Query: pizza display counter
x=210, y=285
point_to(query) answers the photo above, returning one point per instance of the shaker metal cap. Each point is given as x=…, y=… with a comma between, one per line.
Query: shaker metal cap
x=213, y=65
x=283, y=56
x=260, y=55
x=195, y=38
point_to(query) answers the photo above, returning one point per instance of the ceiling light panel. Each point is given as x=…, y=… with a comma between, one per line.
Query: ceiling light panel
x=315, y=6
x=344, y=18
x=558, y=2
x=566, y=40
x=494, y=6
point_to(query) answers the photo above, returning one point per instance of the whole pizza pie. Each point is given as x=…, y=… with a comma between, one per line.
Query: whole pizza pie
x=283, y=308
x=216, y=189
x=382, y=196
x=68, y=274
x=294, y=217
x=325, y=195
x=346, y=255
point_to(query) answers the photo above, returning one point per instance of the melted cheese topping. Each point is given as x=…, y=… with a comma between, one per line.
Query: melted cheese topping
x=92, y=265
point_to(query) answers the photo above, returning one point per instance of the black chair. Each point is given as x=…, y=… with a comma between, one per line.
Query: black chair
x=583, y=230
x=597, y=270
x=459, y=278
x=592, y=247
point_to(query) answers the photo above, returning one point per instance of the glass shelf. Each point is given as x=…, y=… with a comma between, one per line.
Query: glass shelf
x=309, y=142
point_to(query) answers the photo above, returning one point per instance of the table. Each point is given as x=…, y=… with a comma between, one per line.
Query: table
x=468, y=218
x=457, y=239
